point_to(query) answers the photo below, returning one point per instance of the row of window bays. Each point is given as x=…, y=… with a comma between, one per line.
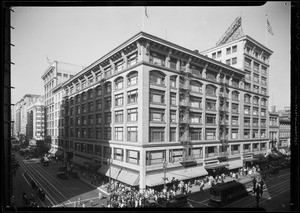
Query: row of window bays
x=156, y=78
x=171, y=155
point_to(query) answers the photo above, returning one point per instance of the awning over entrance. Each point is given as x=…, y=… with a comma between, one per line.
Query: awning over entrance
x=259, y=156
x=92, y=165
x=216, y=166
x=250, y=159
x=121, y=174
x=77, y=160
x=235, y=164
x=155, y=179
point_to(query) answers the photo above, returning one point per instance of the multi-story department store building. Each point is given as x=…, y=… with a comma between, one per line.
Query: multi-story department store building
x=150, y=106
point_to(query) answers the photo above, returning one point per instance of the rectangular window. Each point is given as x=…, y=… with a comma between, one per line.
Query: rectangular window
x=235, y=149
x=219, y=54
x=210, y=134
x=246, y=133
x=107, y=103
x=234, y=133
x=119, y=133
x=256, y=67
x=195, y=134
x=173, y=116
x=119, y=100
x=210, y=104
x=157, y=96
x=172, y=134
x=255, y=111
x=175, y=155
x=210, y=119
x=213, y=55
x=91, y=107
x=155, y=157
x=98, y=118
x=195, y=102
x=255, y=134
x=235, y=120
x=98, y=105
x=234, y=60
x=157, y=134
x=107, y=133
x=210, y=76
x=173, y=98
x=235, y=108
x=133, y=156
x=157, y=58
x=90, y=133
x=98, y=133
x=157, y=115
x=228, y=50
x=98, y=150
x=228, y=61
x=247, y=110
x=195, y=118
x=234, y=49
x=132, y=134
x=119, y=116
x=132, y=114
x=132, y=96
x=107, y=118
x=247, y=63
x=118, y=154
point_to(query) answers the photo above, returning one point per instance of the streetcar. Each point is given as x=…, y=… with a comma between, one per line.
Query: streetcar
x=223, y=193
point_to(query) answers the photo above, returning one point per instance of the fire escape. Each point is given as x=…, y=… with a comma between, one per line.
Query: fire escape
x=223, y=122
x=188, y=158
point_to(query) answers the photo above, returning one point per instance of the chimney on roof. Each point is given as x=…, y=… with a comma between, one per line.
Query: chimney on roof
x=196, y=51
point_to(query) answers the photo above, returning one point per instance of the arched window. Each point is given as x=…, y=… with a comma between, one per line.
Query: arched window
x=255, y=100
x=132, y=78
x=157, y=78
x=210, y=90
x=107, y=87
x=119, y=83
x=247, y=98
x=196, y=86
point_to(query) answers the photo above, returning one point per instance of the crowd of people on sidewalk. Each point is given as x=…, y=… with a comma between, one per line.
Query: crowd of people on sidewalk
x=122, y=195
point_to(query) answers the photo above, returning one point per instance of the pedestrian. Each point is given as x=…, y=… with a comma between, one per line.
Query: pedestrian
x=257, y=195
x=83, y=205
x=79, y=200
x=254, y=184
x=261, y=186
x=91, y=203
x=100, y=196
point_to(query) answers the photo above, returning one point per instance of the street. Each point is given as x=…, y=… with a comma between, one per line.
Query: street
x=59, y=192
x=276, y=195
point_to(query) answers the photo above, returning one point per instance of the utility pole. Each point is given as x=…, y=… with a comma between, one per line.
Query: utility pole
x=165, y=164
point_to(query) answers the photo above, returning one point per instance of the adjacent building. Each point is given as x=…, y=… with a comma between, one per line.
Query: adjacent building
x=284, y=130
x=151, y=108
x=21, y=108
x=54, y=75
x=35, y=119
x=273, y=128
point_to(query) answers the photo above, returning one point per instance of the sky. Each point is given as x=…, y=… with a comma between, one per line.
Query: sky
x=82, y=35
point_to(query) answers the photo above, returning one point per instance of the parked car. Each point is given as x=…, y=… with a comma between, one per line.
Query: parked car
x=62, y=175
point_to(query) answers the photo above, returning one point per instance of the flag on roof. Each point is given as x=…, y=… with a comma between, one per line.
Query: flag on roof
x=269, y=28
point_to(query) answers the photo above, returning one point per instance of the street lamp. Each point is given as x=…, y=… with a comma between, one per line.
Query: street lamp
x=165, y=164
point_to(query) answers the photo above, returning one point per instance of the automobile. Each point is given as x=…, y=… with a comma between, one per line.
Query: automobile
x=27, y=158
x=42, y=159
x=62, y=175
x=41, y=194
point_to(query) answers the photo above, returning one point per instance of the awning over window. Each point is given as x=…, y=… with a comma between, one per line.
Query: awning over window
x=235, y=164
x=216, y=166
x=121, y=174
x=182, y=174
